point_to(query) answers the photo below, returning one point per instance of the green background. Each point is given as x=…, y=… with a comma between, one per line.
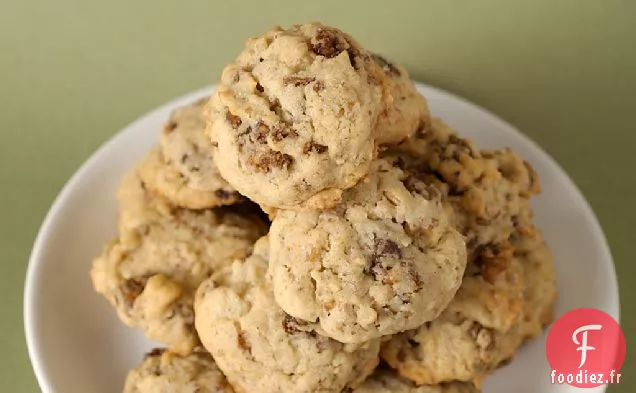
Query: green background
x=73, y=72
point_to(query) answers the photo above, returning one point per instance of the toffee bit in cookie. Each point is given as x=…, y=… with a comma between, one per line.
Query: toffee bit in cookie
x=313, y=147
x=170, y=126
x=275, y=106
x=383, y=248
x=387, y=247
x=261, y=132
x=224, y=195
x=319, y=86
x=298, y=81
x=504, y=362
x=234, y=121
x=327, y=44
x=281, y=131
x=414, y=343
x=156, y=352
x=386, y=65
x=493, y=259
x=132, y=288
x=416, y=186
x=242, y=342
x=291, y=324
x=475, y=329
x=415, y=277
x=265, y=162
x=353, y=57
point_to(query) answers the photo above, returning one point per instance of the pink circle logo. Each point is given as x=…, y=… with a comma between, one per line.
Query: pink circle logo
x=585, y=348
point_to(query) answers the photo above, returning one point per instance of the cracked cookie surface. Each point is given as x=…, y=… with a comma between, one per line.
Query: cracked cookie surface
x=386, y=381
x=165, y=372
x=294, y=117
x=485, y=323
x=150, y=272
x=408, y=109
x=182, y=168
x=384, y=261
x=485, y=192
x=262, y=349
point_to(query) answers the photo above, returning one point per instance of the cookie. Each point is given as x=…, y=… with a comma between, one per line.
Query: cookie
x=462, y=344
x=182, y=169
x=486, y=192
x=293, y=118
x=484, y=325
x=260, y=348
x=150, y=272
x=165, y=372
x=386, y=381
x=408, y=110
x=384, y=261
x=540, y=292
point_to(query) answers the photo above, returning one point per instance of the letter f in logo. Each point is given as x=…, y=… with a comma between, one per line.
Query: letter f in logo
x=583, y=344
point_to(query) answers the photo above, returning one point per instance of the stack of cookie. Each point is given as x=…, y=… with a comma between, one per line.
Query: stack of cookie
x=392, y=238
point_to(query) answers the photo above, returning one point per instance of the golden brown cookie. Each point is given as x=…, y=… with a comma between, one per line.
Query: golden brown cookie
x=182, y=168
x=408, y=109
x=162, y=371
x=486, y=192
x=386, y=381
x=384, y=261
x=293, y=118
x=262, y=349
x=150, y=272
x=485, y=323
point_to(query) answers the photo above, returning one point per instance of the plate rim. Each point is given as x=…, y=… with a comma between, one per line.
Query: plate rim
x=36, y=255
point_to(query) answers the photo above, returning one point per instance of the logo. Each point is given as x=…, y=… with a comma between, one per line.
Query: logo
x=585, y=348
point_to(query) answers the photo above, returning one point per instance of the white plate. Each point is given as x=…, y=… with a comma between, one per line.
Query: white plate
x=77, y=344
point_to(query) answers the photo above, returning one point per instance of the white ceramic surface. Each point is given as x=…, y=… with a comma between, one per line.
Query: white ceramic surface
x=77, y=345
